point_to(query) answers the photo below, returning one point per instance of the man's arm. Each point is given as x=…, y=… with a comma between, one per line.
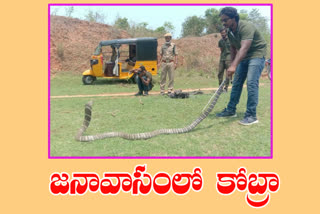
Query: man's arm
x=134, y=71
x=237, y=56
x=233, y=52
x=175, y=61
x=175, y=52
x=145, y=82
x=160, y=60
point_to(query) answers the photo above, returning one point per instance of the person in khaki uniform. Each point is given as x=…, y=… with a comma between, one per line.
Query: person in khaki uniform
x=225, y=58
x=168, y=62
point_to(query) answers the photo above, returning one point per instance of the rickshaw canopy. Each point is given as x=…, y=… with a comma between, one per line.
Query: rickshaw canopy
x=146, y=47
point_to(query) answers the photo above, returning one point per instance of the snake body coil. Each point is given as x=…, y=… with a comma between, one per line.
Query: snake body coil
x=145, y=135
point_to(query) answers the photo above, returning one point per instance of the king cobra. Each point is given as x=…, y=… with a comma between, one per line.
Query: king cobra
x=146, y=135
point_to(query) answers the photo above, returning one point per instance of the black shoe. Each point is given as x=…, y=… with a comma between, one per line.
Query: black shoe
x=226, y=113
x=247, y=121
x=138, y=94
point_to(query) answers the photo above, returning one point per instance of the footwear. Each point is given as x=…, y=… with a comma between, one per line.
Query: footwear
x=138, y=94
x=146, y=93
x=161, y=93
x=225, y=90
x=226, y=113
x=247, y=121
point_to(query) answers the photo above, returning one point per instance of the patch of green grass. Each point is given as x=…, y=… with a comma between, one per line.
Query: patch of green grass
x=71, y=84
x=212, y=138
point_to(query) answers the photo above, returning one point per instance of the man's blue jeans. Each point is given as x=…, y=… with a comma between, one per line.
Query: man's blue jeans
x=141, y=86
x=249, y=69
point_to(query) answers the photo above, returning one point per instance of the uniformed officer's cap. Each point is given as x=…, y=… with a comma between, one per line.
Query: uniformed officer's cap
x=167, y=35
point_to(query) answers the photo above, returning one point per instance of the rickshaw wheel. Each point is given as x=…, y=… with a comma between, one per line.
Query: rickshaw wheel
x=88, y=79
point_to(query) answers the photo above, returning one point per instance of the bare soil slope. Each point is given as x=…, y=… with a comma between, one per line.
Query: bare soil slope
x=198, y=53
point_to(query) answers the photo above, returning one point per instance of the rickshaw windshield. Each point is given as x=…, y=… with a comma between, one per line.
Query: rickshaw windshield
x=140, y=48
x=98, y=50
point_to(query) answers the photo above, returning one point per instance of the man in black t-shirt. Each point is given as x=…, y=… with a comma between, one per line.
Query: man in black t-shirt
x=144, y=81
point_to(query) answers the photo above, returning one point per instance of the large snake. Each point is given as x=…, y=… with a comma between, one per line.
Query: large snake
x=146, y=135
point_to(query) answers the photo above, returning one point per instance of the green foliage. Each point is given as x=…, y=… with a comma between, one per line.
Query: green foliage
x=243, y=16
x=168, y=26
x=142, y=29
x=165, y=28
x=193, y=26
x=122, y=23
x=54, y=12
x=95, y=16
x=259, y=21
x=142, y=25
x=160, y=30
x=212, y=19
x=69, y=11
x=90, y=16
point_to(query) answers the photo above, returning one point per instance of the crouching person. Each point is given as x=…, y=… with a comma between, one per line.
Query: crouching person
x=144, y=81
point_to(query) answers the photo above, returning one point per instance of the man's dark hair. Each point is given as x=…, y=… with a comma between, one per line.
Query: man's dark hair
x=231, y=12
x=142, y=68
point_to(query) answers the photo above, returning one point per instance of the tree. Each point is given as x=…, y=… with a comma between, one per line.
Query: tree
x=160, y=31
x=168, y=27
x=54, y=11
x=260, y=22
x=142, y=25
x=122, y=23
x=140, y=29
x=243, y=14
x=213, y=23
x=243, y=11
x=143, y=29
x=69, y=11
x=95, y=16
x=193, y=26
